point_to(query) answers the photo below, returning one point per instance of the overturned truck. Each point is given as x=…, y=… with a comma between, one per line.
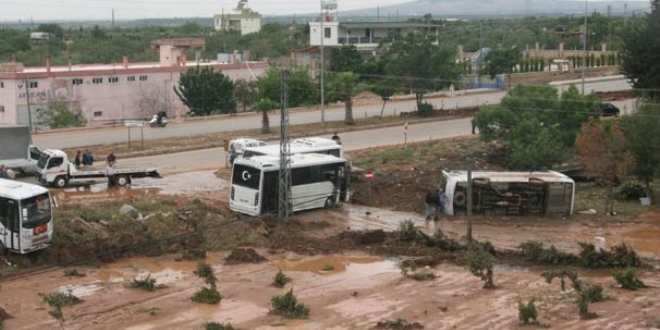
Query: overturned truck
x=510, y=193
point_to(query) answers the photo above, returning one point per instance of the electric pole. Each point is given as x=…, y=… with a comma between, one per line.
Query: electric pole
x=285, y=152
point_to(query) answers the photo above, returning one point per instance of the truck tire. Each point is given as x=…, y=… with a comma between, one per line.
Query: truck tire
x=122, y=180
x=60, y=182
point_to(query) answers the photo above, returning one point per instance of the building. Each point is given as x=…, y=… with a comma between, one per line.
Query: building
x=241, y=19
x=366, y=36
x=106, y=93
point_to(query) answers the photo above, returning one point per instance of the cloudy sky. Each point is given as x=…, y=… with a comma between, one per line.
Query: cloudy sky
x=14, y=10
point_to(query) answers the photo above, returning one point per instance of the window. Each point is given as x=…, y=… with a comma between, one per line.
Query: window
x=97, y=80
x=33, y=84
x=38, y=208
x=130, y=78
x=113, y=80
x=55, y=162
x=98, y=113
x=245, y=176
x=9, y=214
x=328, y=32
x=2, y=108
x=77, y=81
x=143, y=78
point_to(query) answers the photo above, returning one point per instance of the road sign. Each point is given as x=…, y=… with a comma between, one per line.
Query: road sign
x=369, y=175
x=133, y=123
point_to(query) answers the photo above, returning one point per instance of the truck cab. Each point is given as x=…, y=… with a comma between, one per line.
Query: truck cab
x=54, y=167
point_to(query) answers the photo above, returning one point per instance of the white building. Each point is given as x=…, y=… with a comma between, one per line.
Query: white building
x=364, y=35
x=241, y=19
x=106, y=93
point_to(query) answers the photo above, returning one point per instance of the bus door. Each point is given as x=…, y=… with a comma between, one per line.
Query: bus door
x=11, y=225
x=270, y=202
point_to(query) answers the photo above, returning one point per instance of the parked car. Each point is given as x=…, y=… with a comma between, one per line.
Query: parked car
x=607, y=109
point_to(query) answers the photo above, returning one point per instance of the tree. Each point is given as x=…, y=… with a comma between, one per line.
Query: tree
x=206, y=91
x=642, y=130
x=480, y=263
x=641, y=53
x=62, y=113
x=245, y=92
x=264, y=105
x=601, y=148
x=423, y=65
x=534, y=126
x=500, y=61
x=343, y=87
x=151, y=99
x=345, y=59
x=302, y=90
x=53, y=29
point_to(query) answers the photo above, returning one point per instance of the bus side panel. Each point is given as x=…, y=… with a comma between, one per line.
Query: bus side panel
x=311, y=196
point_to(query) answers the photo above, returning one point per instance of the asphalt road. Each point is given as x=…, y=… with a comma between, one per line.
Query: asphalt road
x=90, y=137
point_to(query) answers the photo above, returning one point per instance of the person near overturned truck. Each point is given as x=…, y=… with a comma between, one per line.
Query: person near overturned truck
x=87, y=158
x=110, y=173
x=111, y=160
x=440, y=198
x=3, y=172
x=78, y=159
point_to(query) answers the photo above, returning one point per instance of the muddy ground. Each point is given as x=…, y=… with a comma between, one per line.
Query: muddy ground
x=364, y=286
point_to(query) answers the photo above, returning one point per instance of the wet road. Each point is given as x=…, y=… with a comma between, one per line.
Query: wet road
x=81, y=138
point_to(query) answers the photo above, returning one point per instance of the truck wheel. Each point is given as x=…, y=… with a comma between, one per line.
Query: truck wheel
x=122, y=180
x=60, y=182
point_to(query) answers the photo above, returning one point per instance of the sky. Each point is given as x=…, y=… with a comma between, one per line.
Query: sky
x=51, y=10
x=38, y=10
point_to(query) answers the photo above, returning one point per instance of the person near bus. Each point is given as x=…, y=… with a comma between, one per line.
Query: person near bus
x=429, y=201
x=440, y=200
x=336, y=138
x=3, y=172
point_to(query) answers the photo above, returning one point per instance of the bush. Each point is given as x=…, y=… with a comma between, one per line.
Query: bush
x=535, y=252
x=207, y=296
x=219, y=326
x=618, y=256
x=59, y=300
x=147, y=284
x=627, y=279
x=398, y=324
x=631, y=191
x=425, y=109
x=421, y=276
x=624, y=256
x=288, y=306
x=593, y=293
x=72, y=273
x=562, y=274
x=407, y=231
x=531, y=250
x=280, y=280
x=480, y=263
x=527, y=313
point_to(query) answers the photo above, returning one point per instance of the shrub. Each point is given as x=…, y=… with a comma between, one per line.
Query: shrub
x=407, y=231
x=205, y=272
x=631, y=191
x=535, y=252
x=627, y=279
x=527, y=313
x=531, y=250
x=59, y=300
x=421, y=276
x=618, y=256
x=207, y=296
x=562, y=274
x=288, y=306
x=280, y=280
x=398, y=324
x=147, y=284
x=219, y=326
x=72, y=273
x=591, y=258
x=624, y=256
x=593, y=293
x=480, y=263
x=425, y=109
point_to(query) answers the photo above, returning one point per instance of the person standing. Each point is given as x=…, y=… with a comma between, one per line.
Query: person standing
x=440, y=200
x=78, y=159
x=87, y=158
x=336, y=138
x=110, y=173
x=3, y=172
x=429, y=201
x=111, y=160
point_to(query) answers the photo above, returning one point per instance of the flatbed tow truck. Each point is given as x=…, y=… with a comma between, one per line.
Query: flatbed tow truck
x=55, y=169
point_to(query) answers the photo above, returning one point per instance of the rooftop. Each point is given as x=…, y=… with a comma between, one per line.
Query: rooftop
x=549, y=176
x=381, y=25
x=20, y=190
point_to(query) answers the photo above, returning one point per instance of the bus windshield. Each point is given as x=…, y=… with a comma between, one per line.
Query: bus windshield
x=246, y=176
x=38, y=210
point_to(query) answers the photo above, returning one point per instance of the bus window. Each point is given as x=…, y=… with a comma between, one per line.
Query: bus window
x=38, y=208
x=246, y=176
x=9, y=214
x=334, y=152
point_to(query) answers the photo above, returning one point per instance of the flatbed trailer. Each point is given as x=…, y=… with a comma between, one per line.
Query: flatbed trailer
x=55, y=169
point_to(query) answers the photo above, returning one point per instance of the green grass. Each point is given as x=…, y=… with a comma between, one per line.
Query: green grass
x=591, y=196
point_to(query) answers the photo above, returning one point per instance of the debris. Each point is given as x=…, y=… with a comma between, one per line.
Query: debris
x=130, y=211
x=240, y=255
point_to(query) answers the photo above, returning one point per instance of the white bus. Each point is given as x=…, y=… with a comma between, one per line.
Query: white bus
x=26, y=219
x=510, y=193
x=317, y=181
x=317, y=145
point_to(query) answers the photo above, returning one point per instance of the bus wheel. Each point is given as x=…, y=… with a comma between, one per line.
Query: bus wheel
x=122, y=180
x=329, y=203
x=60, y=182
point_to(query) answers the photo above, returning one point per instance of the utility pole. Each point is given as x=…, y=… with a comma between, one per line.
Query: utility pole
x=468, y=213
x=27, y=95
x=584, y=57
x=322, y=67
x=284, y=209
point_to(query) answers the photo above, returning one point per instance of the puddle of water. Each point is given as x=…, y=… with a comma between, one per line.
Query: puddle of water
x=335, y=264
x=643, y=239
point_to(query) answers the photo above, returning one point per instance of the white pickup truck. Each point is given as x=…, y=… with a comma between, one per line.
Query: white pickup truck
x=16, y=150
x=56, y=170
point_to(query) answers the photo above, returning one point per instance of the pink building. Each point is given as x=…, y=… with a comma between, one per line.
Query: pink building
x=106, y=93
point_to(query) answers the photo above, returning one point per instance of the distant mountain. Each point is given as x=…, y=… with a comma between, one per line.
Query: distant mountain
x=501, y=8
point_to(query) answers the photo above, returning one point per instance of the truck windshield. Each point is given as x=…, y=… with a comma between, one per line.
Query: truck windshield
x=43, y=160
x=38, y=210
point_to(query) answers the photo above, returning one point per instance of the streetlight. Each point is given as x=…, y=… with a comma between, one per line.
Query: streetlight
x=584, y=57
x=27, y=95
